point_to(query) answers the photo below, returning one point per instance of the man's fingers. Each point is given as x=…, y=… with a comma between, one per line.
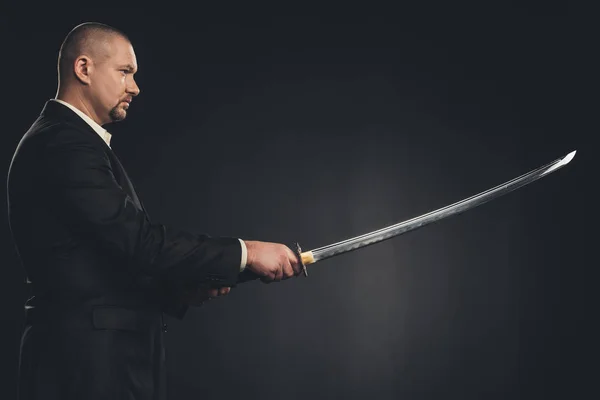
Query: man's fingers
x=224, y=290
x=219, y=292
x=278, y=274
x=288, y=271
x=296, y=266
x=294, y=262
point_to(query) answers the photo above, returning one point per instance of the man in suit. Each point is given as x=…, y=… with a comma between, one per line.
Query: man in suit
x=101, y=272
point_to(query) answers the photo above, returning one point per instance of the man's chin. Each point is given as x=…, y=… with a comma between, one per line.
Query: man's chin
x=117, y=114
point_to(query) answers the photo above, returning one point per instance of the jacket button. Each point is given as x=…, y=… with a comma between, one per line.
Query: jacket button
x=165, y=326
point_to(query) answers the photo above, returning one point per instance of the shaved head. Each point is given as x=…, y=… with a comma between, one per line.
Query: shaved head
x=91, y=39
x=96, y=68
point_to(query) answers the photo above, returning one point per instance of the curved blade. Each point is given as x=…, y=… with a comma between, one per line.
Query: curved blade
x=354, y=243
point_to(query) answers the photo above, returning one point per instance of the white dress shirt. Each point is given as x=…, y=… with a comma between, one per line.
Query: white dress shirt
x=103, y=133
x=106, y=136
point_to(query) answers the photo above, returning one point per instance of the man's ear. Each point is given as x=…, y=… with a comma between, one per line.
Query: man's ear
x=83, y=67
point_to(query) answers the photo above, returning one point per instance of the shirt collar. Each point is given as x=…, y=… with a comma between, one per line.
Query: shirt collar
x=103, y=133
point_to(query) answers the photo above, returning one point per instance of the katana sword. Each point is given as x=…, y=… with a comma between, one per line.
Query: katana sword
x=322, y=253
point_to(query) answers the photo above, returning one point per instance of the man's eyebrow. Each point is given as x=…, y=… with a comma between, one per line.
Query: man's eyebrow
x=129, y=67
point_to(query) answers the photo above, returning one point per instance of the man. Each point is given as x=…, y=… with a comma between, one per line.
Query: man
x=102, y=274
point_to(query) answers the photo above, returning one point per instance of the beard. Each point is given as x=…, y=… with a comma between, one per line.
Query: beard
x=117, y=113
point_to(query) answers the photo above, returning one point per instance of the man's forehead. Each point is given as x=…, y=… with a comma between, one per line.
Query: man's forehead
x=122, y=53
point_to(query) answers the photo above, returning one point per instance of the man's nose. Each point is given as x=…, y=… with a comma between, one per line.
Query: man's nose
x=133, y=89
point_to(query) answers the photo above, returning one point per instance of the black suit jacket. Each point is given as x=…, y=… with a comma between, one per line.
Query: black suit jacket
x=101, y=272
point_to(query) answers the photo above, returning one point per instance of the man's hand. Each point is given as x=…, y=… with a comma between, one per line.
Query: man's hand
x=199, y=296
x=273, y=262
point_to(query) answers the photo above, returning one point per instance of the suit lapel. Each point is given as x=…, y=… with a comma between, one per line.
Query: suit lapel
x=57, y=111
x=123, y=179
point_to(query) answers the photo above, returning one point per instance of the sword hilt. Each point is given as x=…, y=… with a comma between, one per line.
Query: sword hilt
x=305, y=258
x=301, y=258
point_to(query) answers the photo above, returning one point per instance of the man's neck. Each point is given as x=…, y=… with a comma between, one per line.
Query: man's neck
x=78, y=101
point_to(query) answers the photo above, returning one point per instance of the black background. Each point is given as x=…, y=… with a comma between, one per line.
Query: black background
x=317, y=126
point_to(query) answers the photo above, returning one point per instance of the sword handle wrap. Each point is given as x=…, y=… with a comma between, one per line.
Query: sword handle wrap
x=307, y=257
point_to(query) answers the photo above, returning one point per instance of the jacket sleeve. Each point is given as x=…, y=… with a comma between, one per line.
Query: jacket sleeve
x=86, y=196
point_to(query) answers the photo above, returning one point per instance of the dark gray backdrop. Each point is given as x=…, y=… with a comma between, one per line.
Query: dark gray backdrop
x=317, y=127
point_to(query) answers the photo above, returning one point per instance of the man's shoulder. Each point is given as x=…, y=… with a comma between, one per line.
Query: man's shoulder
x=53, y=132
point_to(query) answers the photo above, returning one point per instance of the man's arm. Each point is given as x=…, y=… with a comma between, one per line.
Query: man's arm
x=85, y=195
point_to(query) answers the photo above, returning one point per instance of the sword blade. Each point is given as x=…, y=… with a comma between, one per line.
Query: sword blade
x=321, y=253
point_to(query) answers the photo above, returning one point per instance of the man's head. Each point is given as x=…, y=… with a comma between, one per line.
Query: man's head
x=96, y=64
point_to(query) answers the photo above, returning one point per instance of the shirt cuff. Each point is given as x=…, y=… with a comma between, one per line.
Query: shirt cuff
x=244, y=255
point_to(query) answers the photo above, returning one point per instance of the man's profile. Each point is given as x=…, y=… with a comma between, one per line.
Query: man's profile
x=101, y=272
